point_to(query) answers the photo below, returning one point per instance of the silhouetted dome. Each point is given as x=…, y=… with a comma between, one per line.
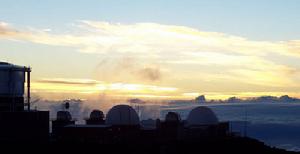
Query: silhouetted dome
x=201, y=116
x=97, y=115
x=148, y=124
x=172, y=117
x=4, y=63
x=200, y=99
x=63, y=116
x=122, y=115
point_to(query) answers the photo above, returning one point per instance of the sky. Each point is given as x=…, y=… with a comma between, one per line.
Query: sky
x=154, y=49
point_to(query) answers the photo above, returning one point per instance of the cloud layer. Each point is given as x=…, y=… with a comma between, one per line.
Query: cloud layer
x=178, y=56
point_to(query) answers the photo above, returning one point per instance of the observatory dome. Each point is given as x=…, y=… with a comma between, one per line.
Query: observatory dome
x=172, y=117
x=122, y=115
x=201, y=116
x=63, y=116
x=96, y=114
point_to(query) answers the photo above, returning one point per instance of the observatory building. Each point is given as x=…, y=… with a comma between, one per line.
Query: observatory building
x=18, y=124
x=12, y=79
x=63, y=118
x=120, y=130
x=121, y=125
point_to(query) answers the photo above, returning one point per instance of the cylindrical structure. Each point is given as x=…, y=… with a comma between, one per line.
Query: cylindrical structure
x=12, y=79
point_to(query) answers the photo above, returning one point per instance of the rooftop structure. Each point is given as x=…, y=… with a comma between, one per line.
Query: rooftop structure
x=12, y=79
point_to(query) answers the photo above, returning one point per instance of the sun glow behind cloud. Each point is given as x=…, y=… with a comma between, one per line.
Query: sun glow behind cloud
x=85, y=87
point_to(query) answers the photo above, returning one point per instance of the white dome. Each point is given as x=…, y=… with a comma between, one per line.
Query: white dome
x=201, y=116
x=122, y=115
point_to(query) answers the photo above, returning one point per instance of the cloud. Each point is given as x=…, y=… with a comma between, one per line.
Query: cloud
x=157, y=38
x=151, y=38
x=7, y=31
x=152, y=74
x=127, y=69
x=135, y=101
x=144, y=52
x=69, y=81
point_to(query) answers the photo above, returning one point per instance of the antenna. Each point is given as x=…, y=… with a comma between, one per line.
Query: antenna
x=245, y=123
x=66, y=104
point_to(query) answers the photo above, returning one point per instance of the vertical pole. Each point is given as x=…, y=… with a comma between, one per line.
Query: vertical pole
x=246, y=121
x=28, y=87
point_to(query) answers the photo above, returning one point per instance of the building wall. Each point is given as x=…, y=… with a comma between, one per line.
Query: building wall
x=24, y=126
